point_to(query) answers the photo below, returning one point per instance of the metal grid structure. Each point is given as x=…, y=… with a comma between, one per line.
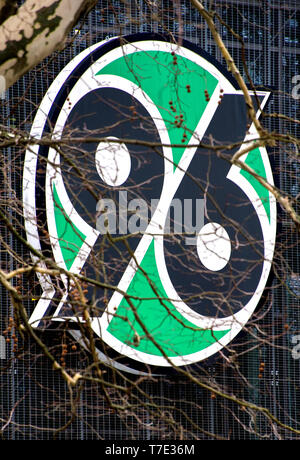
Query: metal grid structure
x=33, y=398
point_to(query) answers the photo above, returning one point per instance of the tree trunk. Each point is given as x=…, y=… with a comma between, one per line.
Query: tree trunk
x=34, y=31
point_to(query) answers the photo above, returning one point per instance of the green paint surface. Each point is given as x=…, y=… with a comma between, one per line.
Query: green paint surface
x=69, y=237
x=155, y=73
x=181, y=86
x=169, y=329
x=254, y=161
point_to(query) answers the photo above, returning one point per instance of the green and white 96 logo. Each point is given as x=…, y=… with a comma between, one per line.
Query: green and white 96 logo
x=179, y=242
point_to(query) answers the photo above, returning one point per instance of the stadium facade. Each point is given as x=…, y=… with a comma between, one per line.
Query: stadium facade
x=35, y=402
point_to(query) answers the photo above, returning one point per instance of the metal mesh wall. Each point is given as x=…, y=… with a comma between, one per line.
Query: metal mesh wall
x=34, y=401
